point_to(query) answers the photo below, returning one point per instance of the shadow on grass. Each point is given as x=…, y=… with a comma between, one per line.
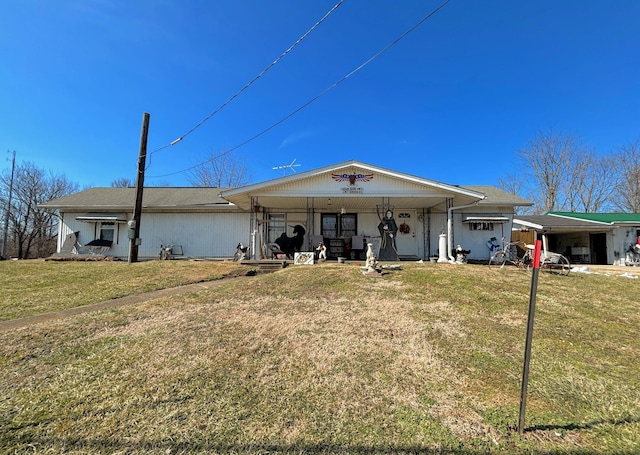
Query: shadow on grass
x=166, y=447
x=583, y=426
x=112, y=445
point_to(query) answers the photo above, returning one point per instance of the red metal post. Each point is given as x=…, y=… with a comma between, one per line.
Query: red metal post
x=527, y=348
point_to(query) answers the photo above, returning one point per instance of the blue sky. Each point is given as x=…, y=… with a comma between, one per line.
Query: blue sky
x=452, y=101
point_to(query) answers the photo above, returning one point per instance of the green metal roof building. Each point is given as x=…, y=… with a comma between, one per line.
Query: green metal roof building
x=588, y=238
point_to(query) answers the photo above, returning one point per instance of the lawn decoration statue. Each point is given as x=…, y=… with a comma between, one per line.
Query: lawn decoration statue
x=388, y=232
x=289, y=245
x=322, y=252
x=242, y=253
x=461, y=254
x=371, y=267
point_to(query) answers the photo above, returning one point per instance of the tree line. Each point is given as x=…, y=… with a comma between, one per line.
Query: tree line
x=557, y=172
x=32, y=231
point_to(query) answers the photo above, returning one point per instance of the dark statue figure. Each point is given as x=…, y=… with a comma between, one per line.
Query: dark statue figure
x=289, y=245
x=388, y=231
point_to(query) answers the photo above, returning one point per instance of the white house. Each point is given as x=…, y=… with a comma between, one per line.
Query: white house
x=341, y=205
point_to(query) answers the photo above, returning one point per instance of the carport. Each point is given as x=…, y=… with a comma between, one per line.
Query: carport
x=581, y=241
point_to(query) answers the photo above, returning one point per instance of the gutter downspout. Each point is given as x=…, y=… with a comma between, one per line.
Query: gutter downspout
x=450, y=227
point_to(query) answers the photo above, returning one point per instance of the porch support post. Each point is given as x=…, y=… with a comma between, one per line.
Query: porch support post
x=426, y=232
x=309, y=215
x=254, y=231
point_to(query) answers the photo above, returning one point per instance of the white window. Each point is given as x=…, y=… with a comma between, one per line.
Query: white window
x=335, y=226
x=277, y=225
x=480, y=226
x=107, y=231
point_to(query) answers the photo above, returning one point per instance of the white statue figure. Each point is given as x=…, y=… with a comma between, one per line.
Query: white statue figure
x=322, y=251
x=372, y=261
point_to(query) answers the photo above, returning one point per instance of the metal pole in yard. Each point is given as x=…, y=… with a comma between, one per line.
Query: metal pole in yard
x=527, y=348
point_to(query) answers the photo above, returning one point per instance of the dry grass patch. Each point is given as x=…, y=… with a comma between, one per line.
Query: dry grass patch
x=323, y=359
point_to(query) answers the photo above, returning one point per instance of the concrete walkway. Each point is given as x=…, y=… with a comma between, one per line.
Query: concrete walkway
x=123, y=301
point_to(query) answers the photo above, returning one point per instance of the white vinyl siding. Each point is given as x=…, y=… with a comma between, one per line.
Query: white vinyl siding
x=202, y=235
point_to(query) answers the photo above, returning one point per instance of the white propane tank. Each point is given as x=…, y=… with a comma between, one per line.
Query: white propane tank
x=442, y=245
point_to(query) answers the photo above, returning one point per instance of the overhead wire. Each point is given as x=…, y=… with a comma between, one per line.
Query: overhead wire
x=319, y=95
x=252, y=81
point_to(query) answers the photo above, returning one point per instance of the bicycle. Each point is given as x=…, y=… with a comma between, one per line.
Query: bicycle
x=509, y=254
x=555, y=263
x=549, y=261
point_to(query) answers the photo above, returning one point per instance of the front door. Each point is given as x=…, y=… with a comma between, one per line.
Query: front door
x=406, y=241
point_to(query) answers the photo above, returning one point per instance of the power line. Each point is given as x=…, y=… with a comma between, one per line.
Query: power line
x=319, y=95
x=250, y=83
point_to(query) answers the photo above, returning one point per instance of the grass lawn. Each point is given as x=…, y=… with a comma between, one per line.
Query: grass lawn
x=318, y=359
x=35, y=287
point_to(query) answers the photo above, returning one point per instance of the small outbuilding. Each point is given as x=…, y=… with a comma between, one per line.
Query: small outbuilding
x=587, y=238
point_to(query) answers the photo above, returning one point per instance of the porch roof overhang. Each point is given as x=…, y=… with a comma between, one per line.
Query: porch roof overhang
x=309, y=190
x=619, y=219
x=336, y=202
x=547, y=224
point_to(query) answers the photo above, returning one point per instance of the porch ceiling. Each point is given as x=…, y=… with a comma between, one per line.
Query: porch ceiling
x=350, y=203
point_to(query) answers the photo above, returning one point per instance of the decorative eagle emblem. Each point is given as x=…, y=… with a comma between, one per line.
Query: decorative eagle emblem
x=352, y=178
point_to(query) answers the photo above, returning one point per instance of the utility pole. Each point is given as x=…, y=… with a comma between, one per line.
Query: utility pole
x=134, y=223
x=8, y=208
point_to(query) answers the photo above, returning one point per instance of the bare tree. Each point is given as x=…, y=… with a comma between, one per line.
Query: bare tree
x=546, y=162
x=31, y=228
x=559, y=173
x=224, y=170
x=577, y=178
x=627, y=190
x=512, y=182
x=123, y=182
x=597, y=184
